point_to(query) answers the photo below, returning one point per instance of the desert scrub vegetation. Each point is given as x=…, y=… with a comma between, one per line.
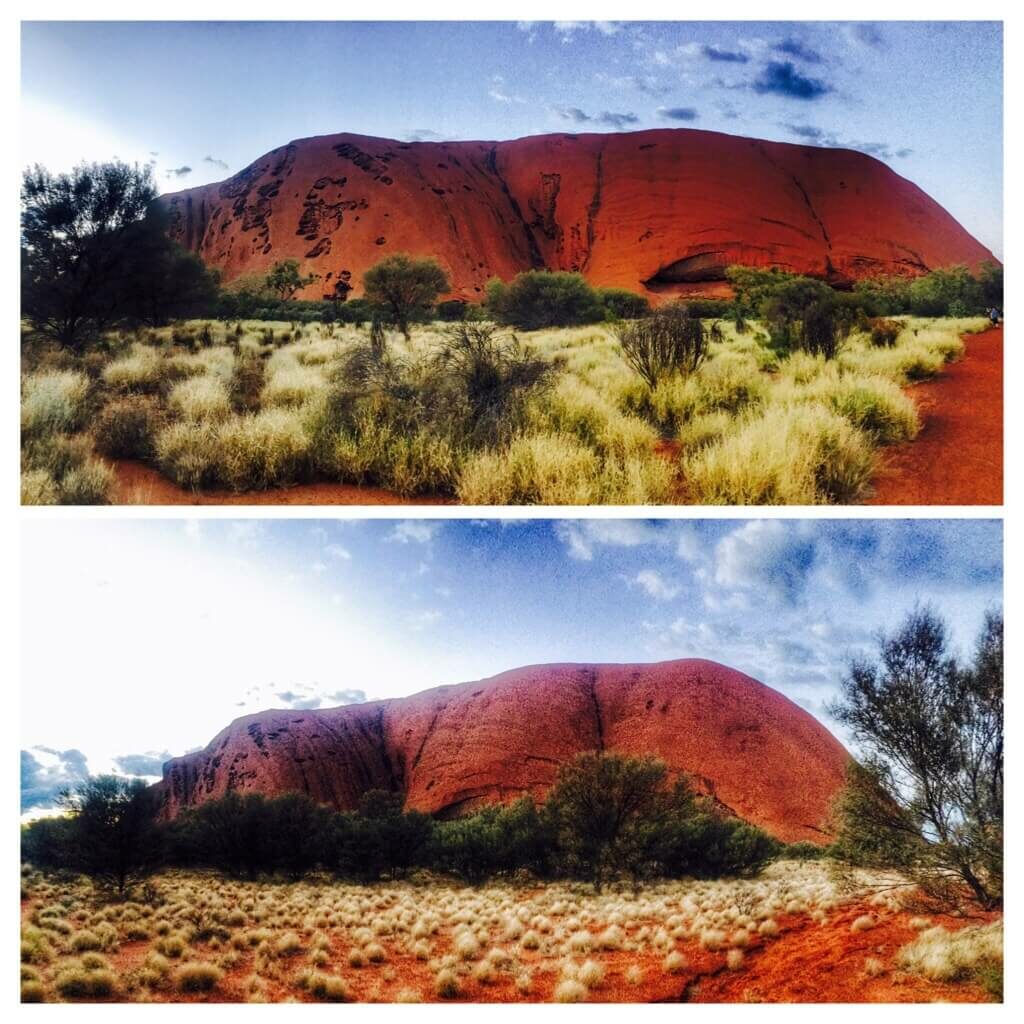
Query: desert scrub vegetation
x=666, y=934
x=971, y=953
x=662, y=409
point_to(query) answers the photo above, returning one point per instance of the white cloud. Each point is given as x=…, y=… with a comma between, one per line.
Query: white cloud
x=689, y=546
x=655, y=585
x=423, y=619
x=415, y=531
x=769, y=554
x=339, y=552
x=581, y=536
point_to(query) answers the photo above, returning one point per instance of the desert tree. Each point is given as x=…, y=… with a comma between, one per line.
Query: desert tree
x=927, y=795
x=404, y=288
x=74, y=256
x=381, y=837
x=113, y=827
x=95, y=252
x=284, y=279
x=600, y=808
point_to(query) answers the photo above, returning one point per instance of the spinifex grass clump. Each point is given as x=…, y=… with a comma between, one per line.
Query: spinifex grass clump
x=467, y=410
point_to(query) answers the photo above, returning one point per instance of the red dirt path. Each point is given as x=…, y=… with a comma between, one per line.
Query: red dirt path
x=957, y=459
x=139, y=484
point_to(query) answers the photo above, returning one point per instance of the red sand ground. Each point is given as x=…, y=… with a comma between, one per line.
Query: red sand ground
x=660, y=212
x=455, y=748
x=957, y=459
x=139, y=484
x=805, y=963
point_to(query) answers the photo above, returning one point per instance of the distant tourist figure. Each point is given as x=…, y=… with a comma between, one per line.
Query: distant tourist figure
x=993, y=315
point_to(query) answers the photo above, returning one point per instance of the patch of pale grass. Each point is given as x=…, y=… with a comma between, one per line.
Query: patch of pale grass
x=789, y=455
x=553, y=469
x=142, y=369
x=943, y=955
x=53, y=401
x=201, y=398
x=290, y=385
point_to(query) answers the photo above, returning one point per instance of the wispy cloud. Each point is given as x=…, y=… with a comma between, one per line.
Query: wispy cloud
x=820, y=137
x=656, y=585
x=222, y=164
x=717, y=53
x=422, y=135
x=46, y=772
x=646, y=84
x=415, y=531
x=608, y=117
x=178, y=172
x=794, y=48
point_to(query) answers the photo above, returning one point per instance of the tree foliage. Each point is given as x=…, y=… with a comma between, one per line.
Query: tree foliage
x=110, y=831
x=928, y=795
x=404, y=288
x=607, y=816
x=544, y=298
x=284, y=279
x=94, y=253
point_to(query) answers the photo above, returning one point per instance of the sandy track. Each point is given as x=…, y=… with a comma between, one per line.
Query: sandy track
x=957, y=459
x=139, y=484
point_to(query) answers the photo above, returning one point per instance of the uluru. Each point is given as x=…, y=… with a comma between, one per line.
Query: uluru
x=658, y=212
x=454, y=749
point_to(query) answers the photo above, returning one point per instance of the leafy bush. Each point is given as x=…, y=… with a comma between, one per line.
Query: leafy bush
x=402, y=288
x=543, y=298
x=620, y=304
x=489, y=379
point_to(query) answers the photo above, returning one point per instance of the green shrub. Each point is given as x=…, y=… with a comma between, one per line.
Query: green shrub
x=620, y=304
x=543, y=298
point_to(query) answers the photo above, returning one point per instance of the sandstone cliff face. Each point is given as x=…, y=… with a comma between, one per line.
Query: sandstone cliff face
x=658, y=212
x=453, y=749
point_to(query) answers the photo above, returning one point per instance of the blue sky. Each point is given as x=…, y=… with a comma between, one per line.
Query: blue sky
x=144, y=638
x=205, y=99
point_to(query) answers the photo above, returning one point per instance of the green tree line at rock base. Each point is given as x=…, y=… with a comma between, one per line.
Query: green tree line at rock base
x=607, y=817
x=96, y=254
